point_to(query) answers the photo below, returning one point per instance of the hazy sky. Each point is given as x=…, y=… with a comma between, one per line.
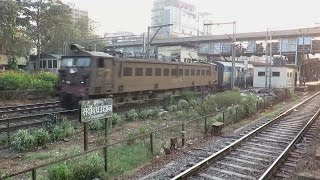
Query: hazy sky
x=251, y=15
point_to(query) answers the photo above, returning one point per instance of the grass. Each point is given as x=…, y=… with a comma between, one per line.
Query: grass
x=52, y=154
x=123, y=159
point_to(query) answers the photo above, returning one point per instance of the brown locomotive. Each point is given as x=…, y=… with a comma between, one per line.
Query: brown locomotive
x=87, y=74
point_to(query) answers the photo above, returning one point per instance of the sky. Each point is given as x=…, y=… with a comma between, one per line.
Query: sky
x=251, y=15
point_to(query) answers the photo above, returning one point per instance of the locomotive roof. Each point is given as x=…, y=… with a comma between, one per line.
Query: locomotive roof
x=229, y=64
x=91, y=53
x=157, y=62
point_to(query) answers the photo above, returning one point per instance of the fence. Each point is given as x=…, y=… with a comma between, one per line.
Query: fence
x=150, y=144
x=24, y=94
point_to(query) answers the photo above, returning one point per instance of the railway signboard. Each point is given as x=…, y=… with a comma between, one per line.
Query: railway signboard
x=96, y=109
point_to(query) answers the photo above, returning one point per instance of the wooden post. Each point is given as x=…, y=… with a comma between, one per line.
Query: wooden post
x=151, y=143
x=8, y=132
x=223, y=116
x=235, y=118
x=139, y=106
x=34, y=174
x=205, y=126
x=183, y=134
x=105, y=150
x=85, y=135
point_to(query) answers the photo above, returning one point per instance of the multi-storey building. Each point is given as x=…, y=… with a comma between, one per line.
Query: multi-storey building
x=186, y=19
x=78, y=15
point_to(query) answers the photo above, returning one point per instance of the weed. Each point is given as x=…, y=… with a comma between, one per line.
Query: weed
x=116, y=119
x=132, y=115
x=59, y=172
x=180, y=114
x=167, y=98
x=143, y=130
x=23, y=140
x=146, y=113
x=41, y=137
x=172, y=108
x=183, y=104
x=88, y=168
x=188, y=95
x=58, y=133
x=193, y=103
x=95, y=125
x=67, y=127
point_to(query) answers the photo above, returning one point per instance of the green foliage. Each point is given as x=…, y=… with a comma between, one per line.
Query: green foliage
x=143, y=130
x=59, y=172
x=19, y=80
x=221, y=101
x=41, y=137
x=249, y=103
x=193, y=103
x=23, y=140
x=116, y=119
x=62, y=130
x=167, y=98
x=180, y=114
x=88, y=168
x=67, y=127
x=172, y=108
x=154, y=112
x=95, y=125
x=146, y=113
x=188, y=95
x=183, y=104
x=132, y=115
x=12, y=63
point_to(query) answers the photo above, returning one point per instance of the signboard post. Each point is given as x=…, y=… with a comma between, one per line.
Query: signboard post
x=92, y=110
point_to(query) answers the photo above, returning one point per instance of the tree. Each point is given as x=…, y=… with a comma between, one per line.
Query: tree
x=47, y=19
x=13, y=31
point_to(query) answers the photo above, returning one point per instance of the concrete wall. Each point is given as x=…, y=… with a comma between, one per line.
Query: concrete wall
x=285, y=80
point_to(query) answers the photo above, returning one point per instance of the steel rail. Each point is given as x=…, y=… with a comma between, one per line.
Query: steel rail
x=28, y=105
x=274, y=166
x=216, y=156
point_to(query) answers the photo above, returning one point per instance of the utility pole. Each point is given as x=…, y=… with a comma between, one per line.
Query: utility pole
x=233, y=47
x=270, y=63
x=267, y=60
x=149, y=40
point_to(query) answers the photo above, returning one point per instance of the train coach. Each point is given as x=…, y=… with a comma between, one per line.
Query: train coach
x=88, y=74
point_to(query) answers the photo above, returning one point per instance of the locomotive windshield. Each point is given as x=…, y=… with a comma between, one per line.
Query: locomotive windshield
x=76, y=62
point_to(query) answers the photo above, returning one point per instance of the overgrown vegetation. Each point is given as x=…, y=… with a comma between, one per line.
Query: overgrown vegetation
x=19, y=80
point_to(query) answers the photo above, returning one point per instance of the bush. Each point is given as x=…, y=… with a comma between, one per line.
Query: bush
x=132, y=115
x=23, y=140
x=116, y=119
x=95, y=125
x=249, y=104
x=41, y=137
x=221, y=101
x=67, y=127
x=193, y=103
x=58, y=133
x=59, y=172
x=88, y=168
x=168, y=99
x=146, y=113
x=172, y=108
x=143, y=130
x=180, y=114
x=154, y=112
x=188, y=95
x=183, y=104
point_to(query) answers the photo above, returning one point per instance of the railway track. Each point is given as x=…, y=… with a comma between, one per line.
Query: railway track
x=259, y=153
x=28, y=108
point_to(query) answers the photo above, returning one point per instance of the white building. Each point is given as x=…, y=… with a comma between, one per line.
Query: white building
x=283, y=76
x=78, y=15
x=186, y=19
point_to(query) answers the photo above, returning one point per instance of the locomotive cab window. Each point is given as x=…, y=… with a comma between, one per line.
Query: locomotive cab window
x=83, y=62
x=67, y=62
x=100, y=63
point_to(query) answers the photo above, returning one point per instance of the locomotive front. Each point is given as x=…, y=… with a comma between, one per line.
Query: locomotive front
x=77, y=75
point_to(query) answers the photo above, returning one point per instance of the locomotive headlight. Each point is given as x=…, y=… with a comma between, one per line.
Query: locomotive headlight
x=68, y=82
x=82, y=82
x=63, y=81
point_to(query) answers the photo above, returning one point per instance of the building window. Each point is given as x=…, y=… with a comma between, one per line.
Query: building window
x=276, y=74
x=127, y=71
x=261, y=73
x=100, y=63
x=40, y=64
x=55, y=64
x=173, y=72
x=180, y=72
x=198, y=72
x=186, y=72
x=44, y=63
x=50, y=64
x=192, y=72
x=139, y=71
x=149, y=72
x=158, y=71
x=203, y=72
x=166, y=72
